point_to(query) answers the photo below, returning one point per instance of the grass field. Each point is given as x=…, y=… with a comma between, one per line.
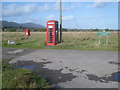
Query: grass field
x=71, y=40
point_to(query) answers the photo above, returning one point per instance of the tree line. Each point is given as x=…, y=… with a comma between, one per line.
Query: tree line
x=44, y=30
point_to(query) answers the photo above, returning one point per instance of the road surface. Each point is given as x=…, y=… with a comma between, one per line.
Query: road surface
x=69, y=68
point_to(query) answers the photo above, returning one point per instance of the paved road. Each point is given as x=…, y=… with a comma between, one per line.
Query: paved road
x=70, y=68
x=10, y=53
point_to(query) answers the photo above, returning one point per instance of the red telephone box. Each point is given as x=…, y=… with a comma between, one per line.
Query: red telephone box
x=52, y=33
x=27, y=32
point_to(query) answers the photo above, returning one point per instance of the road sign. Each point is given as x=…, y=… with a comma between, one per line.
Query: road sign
x=103, y=33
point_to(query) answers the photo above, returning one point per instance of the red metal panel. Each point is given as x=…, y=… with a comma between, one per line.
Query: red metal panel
x=27, y=32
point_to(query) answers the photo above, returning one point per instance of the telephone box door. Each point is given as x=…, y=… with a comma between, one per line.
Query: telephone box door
x=52, y=33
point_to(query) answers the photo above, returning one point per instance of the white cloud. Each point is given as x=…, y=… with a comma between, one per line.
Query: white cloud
x=66, y=18
x=56, y=6
x=0, y=10
x=14, y=10
x=93, y=18
x=38, y=20
x=44, y=8
x=69, y=6
x=99, y=4
x=78, y=4
x=51, y=17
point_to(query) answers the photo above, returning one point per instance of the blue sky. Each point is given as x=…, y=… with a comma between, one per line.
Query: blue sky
x=83, y=15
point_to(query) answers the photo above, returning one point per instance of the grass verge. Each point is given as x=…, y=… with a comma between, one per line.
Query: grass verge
x=20, y=78
x=71, y=40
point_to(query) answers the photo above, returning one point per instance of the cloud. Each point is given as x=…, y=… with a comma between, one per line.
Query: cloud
x=0, y=7
x=78, y=4
x=14, y=10
x=56, y=6
x=44, y=8
x=93, y=18
x=99, y=4
x=51, y=17
x=65, y=7
x=67, y=18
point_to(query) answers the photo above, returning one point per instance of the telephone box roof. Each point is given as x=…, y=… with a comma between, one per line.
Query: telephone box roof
x=52, y=21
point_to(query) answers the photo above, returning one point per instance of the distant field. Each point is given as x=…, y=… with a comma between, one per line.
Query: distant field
x=71, y=40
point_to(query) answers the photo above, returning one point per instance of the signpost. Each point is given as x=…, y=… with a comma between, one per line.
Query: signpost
x=103, y=33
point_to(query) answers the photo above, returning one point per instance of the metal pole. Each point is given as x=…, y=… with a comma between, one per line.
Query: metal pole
x=99, y=39
x=107, y=40
x=60, y=23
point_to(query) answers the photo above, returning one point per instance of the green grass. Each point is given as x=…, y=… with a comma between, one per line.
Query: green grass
x=71, y=40
x=0, y=73
x=20, y=78
x=0, y=80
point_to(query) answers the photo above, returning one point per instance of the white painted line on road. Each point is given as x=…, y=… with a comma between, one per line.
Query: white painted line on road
x=16, y=51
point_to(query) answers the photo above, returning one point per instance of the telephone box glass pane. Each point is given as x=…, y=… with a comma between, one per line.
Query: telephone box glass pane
x=50, y=34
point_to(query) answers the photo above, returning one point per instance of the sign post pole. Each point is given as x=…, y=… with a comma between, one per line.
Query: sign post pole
x=99, y=39
x=107, y=40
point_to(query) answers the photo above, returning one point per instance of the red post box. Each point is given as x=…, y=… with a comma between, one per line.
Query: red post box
x=52, y=33
x=27, y=32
